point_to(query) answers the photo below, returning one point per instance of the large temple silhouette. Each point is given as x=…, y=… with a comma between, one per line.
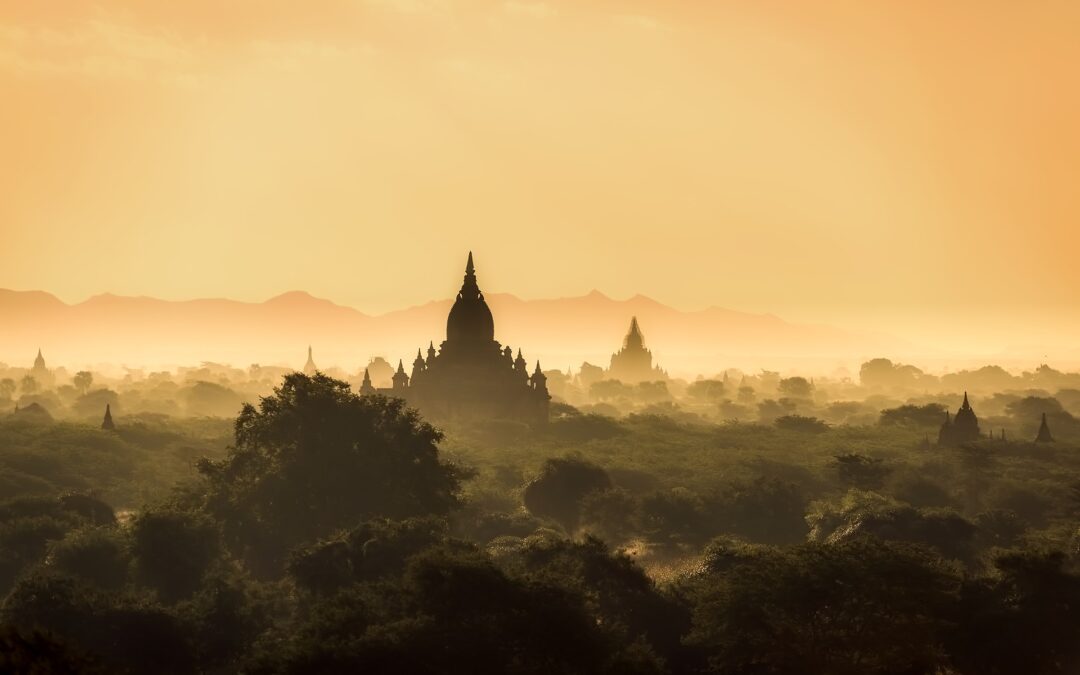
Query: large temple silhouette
x=471, y=375
x=633, y=363
x=963, y=428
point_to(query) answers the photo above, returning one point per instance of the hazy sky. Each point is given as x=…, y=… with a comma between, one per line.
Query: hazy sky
x=877, y=163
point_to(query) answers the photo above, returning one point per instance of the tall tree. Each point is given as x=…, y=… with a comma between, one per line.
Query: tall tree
x=313, y=458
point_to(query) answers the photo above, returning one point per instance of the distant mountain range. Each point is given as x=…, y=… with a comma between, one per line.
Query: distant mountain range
x=147, y=332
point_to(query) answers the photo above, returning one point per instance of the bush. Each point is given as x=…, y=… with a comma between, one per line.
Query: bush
x=96, y=555
x=173, y=550
x=559, y=489
x=806, y=425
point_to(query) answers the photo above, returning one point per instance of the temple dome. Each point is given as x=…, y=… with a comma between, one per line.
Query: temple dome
x=470, y=318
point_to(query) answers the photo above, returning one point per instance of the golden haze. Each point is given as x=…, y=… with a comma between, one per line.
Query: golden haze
x=906, y=167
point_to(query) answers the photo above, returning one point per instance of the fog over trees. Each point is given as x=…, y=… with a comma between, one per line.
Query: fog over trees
x=260, y=520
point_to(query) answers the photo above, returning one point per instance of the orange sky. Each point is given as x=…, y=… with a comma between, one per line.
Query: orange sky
x=902, y=166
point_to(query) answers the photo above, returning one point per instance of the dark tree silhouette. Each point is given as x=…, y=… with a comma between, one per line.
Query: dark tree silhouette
x=82, y=381
x=559, y=489
x=314, y=458
x=862, y=607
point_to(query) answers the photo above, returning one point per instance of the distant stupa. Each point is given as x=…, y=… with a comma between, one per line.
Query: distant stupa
x=366, y=387
x=1044, y=432
x=310, y=368
x=40, y=372
x=107, y=424
x=634, y=363
x=39, y=363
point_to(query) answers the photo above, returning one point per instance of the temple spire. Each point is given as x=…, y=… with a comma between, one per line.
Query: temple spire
x=107, y=423
x=400, y=379
x=470, y=289
x=634, y=340
x=1044, y=432
x=366, y=387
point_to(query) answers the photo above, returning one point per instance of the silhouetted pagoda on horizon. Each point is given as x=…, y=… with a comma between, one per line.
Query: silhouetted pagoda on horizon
x=1044, y=432
x=471, y=375
x=633, y=363
x=40, y=372
x=107, y=424
x=310, y=368
x=963, y=428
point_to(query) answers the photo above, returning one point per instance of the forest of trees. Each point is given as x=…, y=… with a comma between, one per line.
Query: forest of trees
x=321, y=532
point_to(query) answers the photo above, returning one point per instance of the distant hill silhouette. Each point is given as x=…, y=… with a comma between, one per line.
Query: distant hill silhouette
x=141, y=331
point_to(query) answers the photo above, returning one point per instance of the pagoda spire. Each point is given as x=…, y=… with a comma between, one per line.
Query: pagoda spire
x=470, y=289
x=366, y=387
x=400, y=379
x=1044, y=432
x=634, y=340
x=107, y=424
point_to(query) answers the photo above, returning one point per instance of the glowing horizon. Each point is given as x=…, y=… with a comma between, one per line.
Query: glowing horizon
x=909, y=169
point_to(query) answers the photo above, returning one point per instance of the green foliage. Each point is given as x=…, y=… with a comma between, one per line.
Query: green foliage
x=584, y=428
x=210, y=399
x=36, y=653
x=122, y=632
x=173, y=550
x=861, y=515
x=924, y=417
x=1026, y=619
x=314, y=458
x=124, y=469
x=795, y=387
x=864, y=606
x=707, y=390
x=806, y=425
x=92, y=404
x=561, y=486
x=860, y=471
x=356, y=503
x=28, y=525
x=95, y=555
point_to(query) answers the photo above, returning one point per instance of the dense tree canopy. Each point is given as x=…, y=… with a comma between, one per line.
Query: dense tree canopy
x=315, y=457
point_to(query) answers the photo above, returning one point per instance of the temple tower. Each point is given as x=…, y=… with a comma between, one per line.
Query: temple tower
x=366, y=387
x=401, y=380
x=963, y=428
x=633, y=363
x=471, y=375
x=1044, y=432
x=107, y=423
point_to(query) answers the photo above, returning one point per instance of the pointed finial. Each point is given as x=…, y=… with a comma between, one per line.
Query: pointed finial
x=469, y=269
x=966, y=404
x=400, y=366
x=538, y=366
